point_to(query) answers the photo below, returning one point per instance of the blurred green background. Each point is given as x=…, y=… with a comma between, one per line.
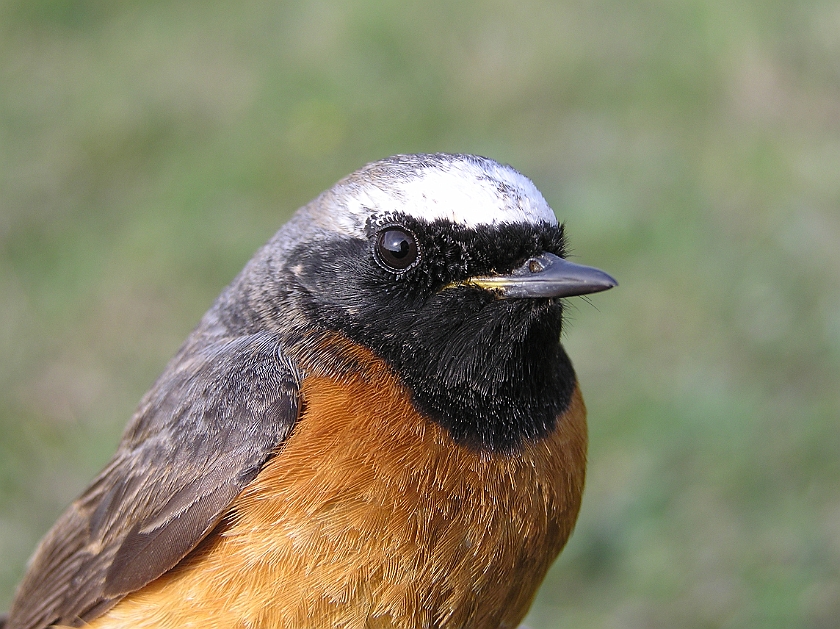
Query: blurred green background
x=692, y=147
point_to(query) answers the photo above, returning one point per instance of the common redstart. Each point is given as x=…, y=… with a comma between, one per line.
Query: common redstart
x=374, y=426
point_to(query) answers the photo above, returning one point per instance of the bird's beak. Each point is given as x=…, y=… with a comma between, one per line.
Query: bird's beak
x=546, y=276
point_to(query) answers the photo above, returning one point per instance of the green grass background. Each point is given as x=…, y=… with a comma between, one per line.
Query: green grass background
x=692, y=147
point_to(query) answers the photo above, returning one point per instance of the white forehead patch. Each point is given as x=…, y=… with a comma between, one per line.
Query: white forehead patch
x=472, y=196
x=465, y=190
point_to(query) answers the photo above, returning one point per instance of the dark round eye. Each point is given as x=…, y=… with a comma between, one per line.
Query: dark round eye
x=396, y=248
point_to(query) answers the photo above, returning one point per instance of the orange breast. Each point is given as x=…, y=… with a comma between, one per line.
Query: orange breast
x=371, y=516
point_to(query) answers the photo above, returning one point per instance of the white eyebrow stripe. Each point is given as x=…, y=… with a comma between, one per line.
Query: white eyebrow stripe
x=466, y=190
x=474, y=201
x=464, y=193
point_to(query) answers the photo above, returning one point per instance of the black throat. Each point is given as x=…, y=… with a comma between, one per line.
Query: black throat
x=490, y=371
x=493, y=374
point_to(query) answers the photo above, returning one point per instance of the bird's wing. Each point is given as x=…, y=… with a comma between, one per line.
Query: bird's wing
x=199, y=436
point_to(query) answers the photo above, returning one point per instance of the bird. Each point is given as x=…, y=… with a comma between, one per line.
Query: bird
x=374, y=426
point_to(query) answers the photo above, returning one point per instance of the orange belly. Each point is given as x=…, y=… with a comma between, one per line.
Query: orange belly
x=371, y=516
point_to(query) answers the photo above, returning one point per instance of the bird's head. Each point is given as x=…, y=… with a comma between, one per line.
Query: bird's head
x=449, y=267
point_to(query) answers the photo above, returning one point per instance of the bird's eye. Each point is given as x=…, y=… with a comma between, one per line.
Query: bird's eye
x=396, y=249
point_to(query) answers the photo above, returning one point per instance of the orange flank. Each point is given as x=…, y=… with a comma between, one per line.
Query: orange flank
x=371, y=516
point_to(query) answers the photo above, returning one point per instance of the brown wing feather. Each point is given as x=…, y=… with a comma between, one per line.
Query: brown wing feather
x=199, y=436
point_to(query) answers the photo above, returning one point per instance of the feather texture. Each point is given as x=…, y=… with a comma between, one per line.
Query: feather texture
x=373, y=516
x=199, y=436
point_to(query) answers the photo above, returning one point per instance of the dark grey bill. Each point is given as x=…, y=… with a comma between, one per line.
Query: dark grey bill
x=546, y=276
